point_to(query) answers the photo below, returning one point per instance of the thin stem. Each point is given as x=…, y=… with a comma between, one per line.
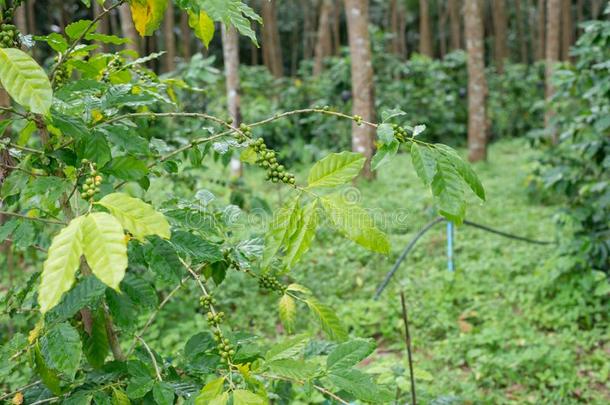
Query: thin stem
x=113, y=340
x=405, y=320
x=152, y=357
x=25, y=387
x=23, y=170
x=26, y=149
x=37, y=247
x=47, y=221
x=317, y=387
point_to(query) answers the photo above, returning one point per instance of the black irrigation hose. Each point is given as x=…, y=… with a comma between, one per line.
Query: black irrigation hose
x=427, y=227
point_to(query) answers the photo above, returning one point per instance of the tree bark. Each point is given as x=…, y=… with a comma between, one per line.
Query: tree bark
x=499, y=23
x=169, y=60
x=425, y=33
x=541, y=30
x=128, y=29
x=596, y=7
x=580, y=16
x=521, y=32
x=567, y=34
x=398, y=27
x=21, y=21
x=455, y=24
x=552, y=56
x=272, y=50
x=477, y=84
x=103, y=23
x=443, y=15
x=185, y=36
x=230, y=51
x=363, y=136
x=336, y=27
x=324, y=40
x=308, y=30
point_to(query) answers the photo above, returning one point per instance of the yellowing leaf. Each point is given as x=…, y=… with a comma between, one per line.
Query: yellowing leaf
x=147, y=15
x=203, y=26
x=288, y=312
x=104, y=248
x=139, y=218
x=63, y=259
x=25, y=81
x=210, y=391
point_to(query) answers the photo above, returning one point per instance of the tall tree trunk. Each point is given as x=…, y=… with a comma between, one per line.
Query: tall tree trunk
x=230, y=51
x=552, y=56
x=308, y=30
x=398, y=27
x=336, y=27
x=21, y=20
x=477, y=85
x=363, y=136
x=580, y=16
x=324, y=41
x=104, y=26
x=499, y=23
x=31, y=14
x=185, y=36
x=521, y=32
x=128, y=29
x=596, y=7
x=443, y=14
x=425, y=32
x=541, y=30
x=169, y=60
x=272, y=50
x=567, y=34
x=455, y=24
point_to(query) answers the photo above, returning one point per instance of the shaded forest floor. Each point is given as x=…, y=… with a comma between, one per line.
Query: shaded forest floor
x=501, y=329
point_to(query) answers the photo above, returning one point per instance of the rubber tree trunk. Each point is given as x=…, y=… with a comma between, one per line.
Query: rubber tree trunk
x=541, y=30
x=425, y=32
x=272, y=50
x=363, y=136
x=567, y=35
x=104, y=26
x=499, y=23
x=185, y=37
x=324, y=40
x=552, y=56
x=230, y=52
x=521, y=32
x=169, y=60
x=128, y=29
x=477, y=85
x=455, y=24
x=398, y=28
x=336, y=25
x=443, y=15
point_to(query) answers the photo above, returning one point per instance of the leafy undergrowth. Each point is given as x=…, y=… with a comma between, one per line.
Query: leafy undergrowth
x=503, y=328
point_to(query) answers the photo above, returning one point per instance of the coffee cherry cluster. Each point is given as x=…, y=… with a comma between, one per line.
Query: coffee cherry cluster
x=399, y=132
x=146, y=76
x=207, y=301
x=267, y=160
x=224, y=346
x=215, y=319
x=92, y=183
x=244, y=134
x=270, y=282
x=9, y=36
x=115, y=65
x=62, y=75
x=358, y=119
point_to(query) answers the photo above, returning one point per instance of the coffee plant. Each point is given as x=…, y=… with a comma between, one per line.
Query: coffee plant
x=75, y=155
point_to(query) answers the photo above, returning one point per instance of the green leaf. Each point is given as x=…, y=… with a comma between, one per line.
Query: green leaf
x=448, y=190
x=288, y=312
x=288, y=348
x=106, y=39
x=360, y=385
x=385, y=133
x=57, y=42
x=197, y=248
x=335, y=169
x=127, y=168
x=163, y=260
x=25, y=81
x=88, y=291
x=233, y=12
x=105, y=248
x=355, y=223
x=384, y=153
x=202, y=26
x=78, y=28
x=418, y=129
x=63, y=259
x=294, y=369
x=48, y=376
x=94, y=147
x=243, y=397
x=163, y=393
x=210, y=391
x=329, y=321
x=139, y=291
x=424, y=162
x=304, y=234
x=139, y=218
x=139, y=386
x=281, y=228
x=464, y=169
x=348, y=354
x=119, y=397
x=96, y=345
x=61, y=348
x=147, y=15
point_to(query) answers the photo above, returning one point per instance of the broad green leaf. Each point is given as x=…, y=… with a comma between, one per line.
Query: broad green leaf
x=287, y=349
x=25, y=81
x=360, y=385
x=163, y=393
x=96, y=345
x=288, y=312
x=61, y=348
x=127, y=168
x=119, y=397
x=106, y=39
x=248, y=155
x=139, y=291
x=299, y=288
x=57, y=42
x=448, y=191
x=384, y=153
x=355, y=223
x=243, y=397
x=418, y=129
x=424, y=162
x=304, y=234
x=210, y=391
x=281, y=228
x=335, y=169
x=329, y=321
x=163, y=260
x=233, y=12
x=86, y=292
x=197, y=248
x=385, y=133
x=202, y=26
x=105, y=248
x=293, y=369
x=464, y=169
x=79, y=28
x=94, y=147
x=139, y=218
x=348, y=354
x=147, y=15
x=48, y=376
x=63, y=259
